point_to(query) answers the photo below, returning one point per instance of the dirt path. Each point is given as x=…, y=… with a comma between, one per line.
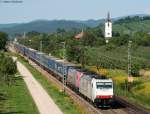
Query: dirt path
x=42, y=100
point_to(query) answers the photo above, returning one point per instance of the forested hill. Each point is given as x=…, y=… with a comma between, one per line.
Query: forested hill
x=122, y=24
x=48, y=26
x=44, y=26
x=2, y=26
x=132, y=24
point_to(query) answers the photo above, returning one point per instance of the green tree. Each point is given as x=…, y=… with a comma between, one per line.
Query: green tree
x=142, y=39
x=73, y=50
x=32, y=33
x=60, y=30
x=92, y=39
x=7, y=68
x=120, y=41
x=135, y=69
x=3, y=40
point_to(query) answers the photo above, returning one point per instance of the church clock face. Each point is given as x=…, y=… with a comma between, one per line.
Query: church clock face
x=108, y=25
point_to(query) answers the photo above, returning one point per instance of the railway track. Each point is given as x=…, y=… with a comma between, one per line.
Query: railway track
x=89, y=109
x=132, y=108
x=120, y=106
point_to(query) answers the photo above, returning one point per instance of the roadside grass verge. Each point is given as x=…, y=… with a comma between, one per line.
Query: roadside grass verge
x=64, y=102
x=16, y=99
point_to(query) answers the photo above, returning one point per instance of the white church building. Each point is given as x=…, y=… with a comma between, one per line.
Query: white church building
x=108, y=28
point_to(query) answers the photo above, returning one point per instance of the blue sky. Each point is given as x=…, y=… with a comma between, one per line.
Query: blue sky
x=69, y=9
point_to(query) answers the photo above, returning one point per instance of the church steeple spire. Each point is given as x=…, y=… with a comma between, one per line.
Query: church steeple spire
x=108, y=17
x=108, y=27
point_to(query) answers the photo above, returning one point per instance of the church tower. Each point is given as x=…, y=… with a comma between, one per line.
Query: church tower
x=108, y=28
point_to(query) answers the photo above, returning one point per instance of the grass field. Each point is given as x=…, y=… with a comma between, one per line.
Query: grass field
x=65, y=103
x=15, y=99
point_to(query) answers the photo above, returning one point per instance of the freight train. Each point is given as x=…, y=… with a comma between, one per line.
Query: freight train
x=93, y=87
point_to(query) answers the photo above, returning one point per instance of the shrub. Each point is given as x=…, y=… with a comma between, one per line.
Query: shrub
x=7, y=68
x=3, y=40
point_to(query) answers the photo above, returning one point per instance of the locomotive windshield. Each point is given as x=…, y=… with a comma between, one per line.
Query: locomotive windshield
x=104, y=85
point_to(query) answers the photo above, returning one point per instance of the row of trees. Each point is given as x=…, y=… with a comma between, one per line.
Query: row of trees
x=7, y=65
x=3, y=40
x=138, y=39
x=130, y=19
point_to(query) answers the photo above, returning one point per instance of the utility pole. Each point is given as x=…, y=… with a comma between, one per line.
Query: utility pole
x=130, y=78
x=41, y=49
x=24, y=35
x=40, y=52
x=40, y=46
x=64, y=68
x=41, y=43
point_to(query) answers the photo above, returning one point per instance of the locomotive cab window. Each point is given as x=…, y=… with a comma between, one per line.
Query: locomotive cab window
x=108, y=85
x=99, y=85
x=104, y=85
